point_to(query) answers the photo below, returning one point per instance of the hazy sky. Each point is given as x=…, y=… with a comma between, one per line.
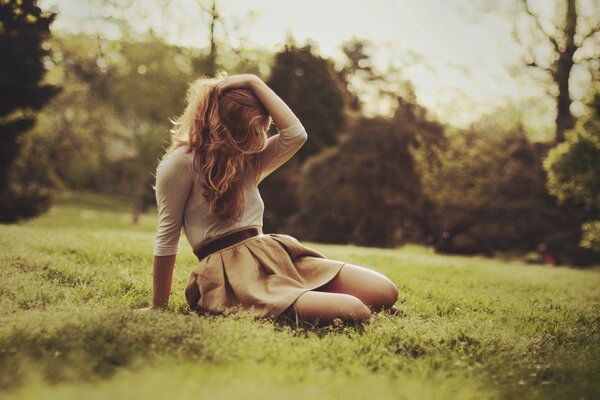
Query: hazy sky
x=466, y=51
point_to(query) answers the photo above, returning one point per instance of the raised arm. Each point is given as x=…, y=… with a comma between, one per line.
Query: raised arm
x=281, y=114
x=291, y=134
x=280, y=148
x=290, y=137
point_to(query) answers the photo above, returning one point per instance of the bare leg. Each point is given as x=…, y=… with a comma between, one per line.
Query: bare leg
x=323, y=308
x=372, y=288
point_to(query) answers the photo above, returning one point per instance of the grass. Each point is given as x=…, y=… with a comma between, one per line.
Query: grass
x=474, y=327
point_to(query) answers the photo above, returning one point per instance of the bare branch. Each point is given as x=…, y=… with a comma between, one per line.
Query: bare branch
x=587, y=59
x=536, y=19
x=207, y=8
x=591, y=33
x=534, y=64
x=515, y=34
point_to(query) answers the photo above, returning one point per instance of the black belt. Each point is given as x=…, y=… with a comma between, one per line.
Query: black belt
x=224, y=241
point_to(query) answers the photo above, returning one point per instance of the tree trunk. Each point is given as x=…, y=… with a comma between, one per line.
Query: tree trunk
x=564, y=64
x=137, y=210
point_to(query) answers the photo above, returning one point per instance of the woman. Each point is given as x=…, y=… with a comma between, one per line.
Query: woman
x=206, y=183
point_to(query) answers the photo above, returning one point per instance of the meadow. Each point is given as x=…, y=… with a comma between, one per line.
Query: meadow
x=474, y=327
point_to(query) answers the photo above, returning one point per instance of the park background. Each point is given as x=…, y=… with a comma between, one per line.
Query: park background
x=437, y=130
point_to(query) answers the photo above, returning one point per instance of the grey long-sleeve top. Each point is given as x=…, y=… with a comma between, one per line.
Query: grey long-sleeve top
x=181, y=203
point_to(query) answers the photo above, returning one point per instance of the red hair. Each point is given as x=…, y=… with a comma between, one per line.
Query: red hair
x=224, y=132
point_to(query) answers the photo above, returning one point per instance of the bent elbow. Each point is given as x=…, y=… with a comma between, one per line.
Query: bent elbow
x=303, y=137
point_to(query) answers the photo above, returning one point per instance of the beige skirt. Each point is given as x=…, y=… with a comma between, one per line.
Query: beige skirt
x=264, y=274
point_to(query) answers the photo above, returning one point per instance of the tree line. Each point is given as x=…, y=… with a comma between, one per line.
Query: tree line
x=377, y=181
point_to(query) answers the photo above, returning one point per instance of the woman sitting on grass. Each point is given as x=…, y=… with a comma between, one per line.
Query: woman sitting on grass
x=206, y=183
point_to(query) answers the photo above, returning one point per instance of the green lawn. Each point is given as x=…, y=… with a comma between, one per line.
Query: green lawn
x=474, y=327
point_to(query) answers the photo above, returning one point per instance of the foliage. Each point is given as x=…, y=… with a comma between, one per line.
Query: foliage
x=309, y=86
x=560, y=51
x=106, y=131
x=573, y=169
x=367, y=190
x=32, y=182
x=574, y=166
x=359, y=64
x=280, y=193
x=488, y=190
x=481, y=185
x=148, y=89
x=370, y=90
x=23, y=29
x=591, y=235
x=474, y=327
x=75, y=128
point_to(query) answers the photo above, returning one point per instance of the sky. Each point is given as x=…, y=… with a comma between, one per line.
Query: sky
x=464, y=52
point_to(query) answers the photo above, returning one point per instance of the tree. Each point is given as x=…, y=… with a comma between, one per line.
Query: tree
x=361, y=191
x=23, y=29
x=226, y=34
x=573, y=169
x=148, y=89
x=372, y=91
x=358, y=64
x=567, y=44
x=105, y=131
x=488, y=192
x=308, y=84
x=367, y=190
x=483, y=190
x=76, y=128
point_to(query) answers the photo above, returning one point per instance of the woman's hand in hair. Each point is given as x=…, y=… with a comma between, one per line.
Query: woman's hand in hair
x=242, y=81
x=281, y=114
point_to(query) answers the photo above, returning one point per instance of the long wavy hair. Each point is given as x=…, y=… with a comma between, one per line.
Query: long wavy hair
x=225, y=132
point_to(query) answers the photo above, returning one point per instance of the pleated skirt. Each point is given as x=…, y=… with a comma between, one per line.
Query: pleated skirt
x=264, y=275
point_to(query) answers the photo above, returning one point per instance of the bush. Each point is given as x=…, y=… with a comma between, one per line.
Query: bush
x=309, y=85
x=367, y=189
x=488, y=191
x=573, y=169
x=591, y=236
